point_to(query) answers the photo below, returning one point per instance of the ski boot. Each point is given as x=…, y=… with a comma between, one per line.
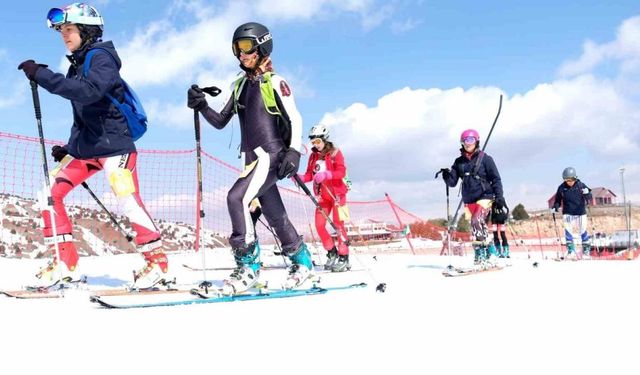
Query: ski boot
x=49, y=273
x=505, y=251
x=571, y=251
x=342, y=264
x=332, y=257
x=247, y=271
x=586, y=251
x=301, y=268
x=479, y=254
x=154, y=272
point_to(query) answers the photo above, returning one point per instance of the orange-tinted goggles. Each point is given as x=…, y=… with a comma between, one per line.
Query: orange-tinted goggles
x=246, y=46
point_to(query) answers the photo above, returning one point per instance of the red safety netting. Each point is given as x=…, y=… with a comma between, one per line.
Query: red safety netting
x=168, y=186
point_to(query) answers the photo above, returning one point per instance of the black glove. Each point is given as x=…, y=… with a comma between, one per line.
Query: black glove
x=30, y=68
x=195, y=98
x=58, y=153
x=446, y=173
x=289, y=164
x=500, y=203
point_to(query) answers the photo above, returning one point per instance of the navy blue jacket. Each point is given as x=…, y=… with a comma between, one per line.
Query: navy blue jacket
x=573, y=199
x=485, y=184
x=99, y=128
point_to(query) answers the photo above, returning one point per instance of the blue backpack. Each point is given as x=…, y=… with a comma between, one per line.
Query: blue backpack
x=131, y=107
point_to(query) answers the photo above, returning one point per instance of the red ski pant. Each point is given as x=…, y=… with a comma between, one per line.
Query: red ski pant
x=123, y=179
x=477, y=214
x=330, y=208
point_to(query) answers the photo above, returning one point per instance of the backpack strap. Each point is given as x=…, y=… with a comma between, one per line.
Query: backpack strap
x=87, y=59
x=476, y=167
x=87, y=64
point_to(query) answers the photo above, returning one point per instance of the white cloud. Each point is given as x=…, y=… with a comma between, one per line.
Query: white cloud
x=181, y=53
x=16, y=94
x=584, y=121
x=625, y=49
x=400, y=143
x=162, y=54
x=373, y=19
x=404, y=26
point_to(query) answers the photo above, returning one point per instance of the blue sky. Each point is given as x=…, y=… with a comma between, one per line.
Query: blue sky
x=396, y=81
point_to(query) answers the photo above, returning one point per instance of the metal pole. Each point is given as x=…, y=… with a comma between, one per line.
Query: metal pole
x=47, y=177
x=200, y=211
x=627, y=216
x=393, y=208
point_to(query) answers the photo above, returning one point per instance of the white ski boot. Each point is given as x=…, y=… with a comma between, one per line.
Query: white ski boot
x=301, y=268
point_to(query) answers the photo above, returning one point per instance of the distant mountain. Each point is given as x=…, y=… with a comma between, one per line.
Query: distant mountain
x=21, y=234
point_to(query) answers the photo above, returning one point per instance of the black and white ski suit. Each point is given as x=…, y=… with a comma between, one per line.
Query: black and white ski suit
x=264, y=139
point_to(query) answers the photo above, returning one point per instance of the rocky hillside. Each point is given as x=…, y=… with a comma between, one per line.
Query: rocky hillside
x=604, y=219
x=20, y=234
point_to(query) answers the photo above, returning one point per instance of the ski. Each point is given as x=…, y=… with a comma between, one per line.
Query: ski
x=200, y=269
x=317, y=268
x=54, y=290
x=127, y=302
x=57, y=290
x=263, y=289
x=451, y=271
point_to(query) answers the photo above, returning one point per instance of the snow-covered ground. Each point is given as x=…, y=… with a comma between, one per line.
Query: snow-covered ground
x=557, y=318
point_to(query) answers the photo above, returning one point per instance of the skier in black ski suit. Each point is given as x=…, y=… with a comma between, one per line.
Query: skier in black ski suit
x=271, y=132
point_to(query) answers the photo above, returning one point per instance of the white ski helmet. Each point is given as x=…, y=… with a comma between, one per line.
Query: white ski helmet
x=319, y=131
x=76, y=13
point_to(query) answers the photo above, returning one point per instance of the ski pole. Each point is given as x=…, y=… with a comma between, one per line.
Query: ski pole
x=275, y=238
x=555, y=227
x=448, y=233
x=381, y=287
x=45, y=167
x=593, y=230
x=115, y=222
x=336, y=206
x=315, y=202
x=200, y=211
x=535, y=218
x=517, y=237
x=213, y=91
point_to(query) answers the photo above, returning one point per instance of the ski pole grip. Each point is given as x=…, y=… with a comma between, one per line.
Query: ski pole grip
x=36, y=99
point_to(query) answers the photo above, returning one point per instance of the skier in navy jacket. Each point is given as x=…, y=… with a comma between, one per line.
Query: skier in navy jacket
x=481, y=187
x=99, y=139
x=574, y=196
